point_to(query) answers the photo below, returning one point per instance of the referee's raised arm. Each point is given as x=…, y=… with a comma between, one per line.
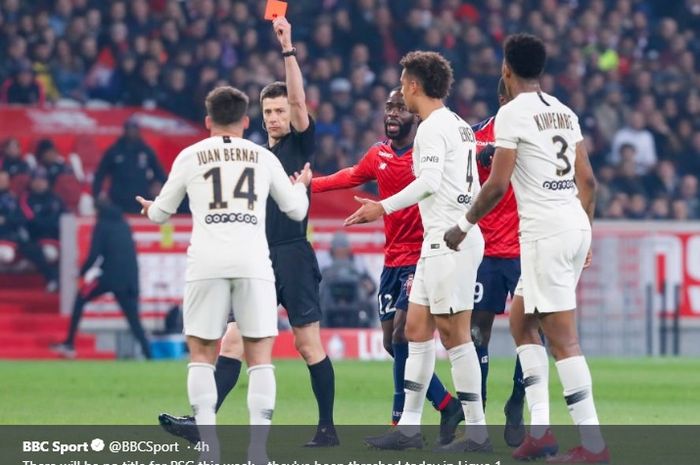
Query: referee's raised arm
x=299, y=115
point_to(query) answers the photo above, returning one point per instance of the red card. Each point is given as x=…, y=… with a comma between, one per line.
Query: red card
x=275, y=9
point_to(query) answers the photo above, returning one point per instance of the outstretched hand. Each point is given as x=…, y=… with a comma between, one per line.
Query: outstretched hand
x=368, y=212
x=145, y=204
x=303, y=177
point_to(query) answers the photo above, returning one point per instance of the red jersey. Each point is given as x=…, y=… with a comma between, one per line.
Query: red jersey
x=500, y=226
x=403, y=230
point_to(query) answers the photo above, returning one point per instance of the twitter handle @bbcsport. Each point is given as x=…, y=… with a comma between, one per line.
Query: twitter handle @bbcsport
x=97, y=445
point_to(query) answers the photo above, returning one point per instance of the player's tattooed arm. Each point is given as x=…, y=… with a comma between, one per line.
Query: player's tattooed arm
x=491, y=193
x=587, y=187
x=585, y=180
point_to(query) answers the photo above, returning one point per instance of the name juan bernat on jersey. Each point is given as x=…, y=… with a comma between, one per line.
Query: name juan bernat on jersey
x=233, y=154
x=205, y=157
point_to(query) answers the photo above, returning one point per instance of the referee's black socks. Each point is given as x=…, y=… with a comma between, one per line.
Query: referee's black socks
x=323, y=385
x=226, y=376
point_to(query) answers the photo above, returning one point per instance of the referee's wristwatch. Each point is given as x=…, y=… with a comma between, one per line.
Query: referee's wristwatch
x=290, y=53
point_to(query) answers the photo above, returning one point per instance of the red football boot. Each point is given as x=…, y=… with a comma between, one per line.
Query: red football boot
x=581, y=455
x=532, y=448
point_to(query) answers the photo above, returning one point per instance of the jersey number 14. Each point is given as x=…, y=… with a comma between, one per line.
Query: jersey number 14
x=247, y=178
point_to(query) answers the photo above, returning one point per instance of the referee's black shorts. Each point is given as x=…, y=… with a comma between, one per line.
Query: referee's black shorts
x=297, y=277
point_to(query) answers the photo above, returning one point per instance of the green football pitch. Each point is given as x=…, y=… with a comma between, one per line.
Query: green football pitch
x=627, y=392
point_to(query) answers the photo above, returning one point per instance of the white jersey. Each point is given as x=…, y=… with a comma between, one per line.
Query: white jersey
x=228, y=180
x=446, y=143
x=544, y=132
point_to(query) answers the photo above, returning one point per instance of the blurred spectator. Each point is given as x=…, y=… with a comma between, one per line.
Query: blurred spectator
x=42, y=208
x=68, y=72
x=689, y=194
x=347, y=293
x=326, y=123
x=690, y=160
x=637, y=209
x=660, y=209
x=615, y=210
x=626, y=179
x=327, y=159
x=23, y=87
x=680, y=210
x=15, y=238
x=133, y=169
x=663, y=181
x=12, y=161
x=636, y=135
x=608, y=113
x=176, y=97
x=47, y=156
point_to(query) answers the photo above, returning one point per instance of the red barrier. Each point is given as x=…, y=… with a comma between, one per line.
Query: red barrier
x=90, y=132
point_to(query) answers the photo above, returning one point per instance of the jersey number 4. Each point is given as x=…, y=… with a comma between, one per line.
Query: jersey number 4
x=247, y=178
x=561, y=155
x=470, y=173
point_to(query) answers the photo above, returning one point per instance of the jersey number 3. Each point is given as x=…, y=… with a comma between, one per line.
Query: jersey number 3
x=247, y=178
x=561, y=155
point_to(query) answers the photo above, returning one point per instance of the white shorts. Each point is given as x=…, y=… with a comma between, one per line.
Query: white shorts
x=446, y=283
x=208, y=302
x=550, y=270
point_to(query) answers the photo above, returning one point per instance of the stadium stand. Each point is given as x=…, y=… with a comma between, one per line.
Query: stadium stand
x=628, y=67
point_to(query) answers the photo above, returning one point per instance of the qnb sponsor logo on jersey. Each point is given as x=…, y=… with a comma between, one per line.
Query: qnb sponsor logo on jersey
x=559, y=185
x=429, y=159
x=214, y=218
x=464, y=199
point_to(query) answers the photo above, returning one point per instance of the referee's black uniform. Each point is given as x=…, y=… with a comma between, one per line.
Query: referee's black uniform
x=297, y=275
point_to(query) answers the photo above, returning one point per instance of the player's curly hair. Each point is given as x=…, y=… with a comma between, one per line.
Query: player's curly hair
x=525, y=54
x=226, y=105
x=432, y=70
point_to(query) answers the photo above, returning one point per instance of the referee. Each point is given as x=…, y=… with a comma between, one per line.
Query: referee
x=291, y=137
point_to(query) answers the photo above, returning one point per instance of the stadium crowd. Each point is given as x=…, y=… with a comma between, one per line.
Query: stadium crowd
x=629, y=68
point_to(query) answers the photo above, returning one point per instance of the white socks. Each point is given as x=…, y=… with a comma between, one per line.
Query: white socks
x=535, y=364
x=261, y=405
x=466, y=376
x=201, y=391
x=576, y=379
x=261, y=394
x=420, y=366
